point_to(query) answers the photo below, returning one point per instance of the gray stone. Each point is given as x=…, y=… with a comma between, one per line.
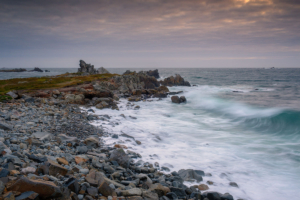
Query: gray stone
x=189, y=175
x=12, y=95
x=121, y=157
x=5, y=126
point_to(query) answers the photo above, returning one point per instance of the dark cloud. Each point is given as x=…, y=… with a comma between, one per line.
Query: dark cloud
x=148, y=29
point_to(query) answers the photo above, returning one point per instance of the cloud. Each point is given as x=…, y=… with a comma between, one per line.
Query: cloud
x=233, y=28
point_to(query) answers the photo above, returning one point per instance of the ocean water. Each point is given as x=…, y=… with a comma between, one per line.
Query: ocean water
x=240, y=125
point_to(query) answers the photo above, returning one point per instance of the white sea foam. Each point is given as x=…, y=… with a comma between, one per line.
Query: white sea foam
x=202, y=134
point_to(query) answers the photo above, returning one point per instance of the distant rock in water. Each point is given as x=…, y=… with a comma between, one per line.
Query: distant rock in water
x=36, y=69
x=13, y=70
x=90, y=69
x=175, y=81
x=153, y=73
x=47, y=71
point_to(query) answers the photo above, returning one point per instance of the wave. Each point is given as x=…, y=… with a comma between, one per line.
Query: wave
x=271, y=120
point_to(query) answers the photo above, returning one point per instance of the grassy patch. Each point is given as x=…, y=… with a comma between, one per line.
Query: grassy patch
x=59, y=81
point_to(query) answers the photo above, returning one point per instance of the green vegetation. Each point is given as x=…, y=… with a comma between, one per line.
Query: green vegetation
x=60, y=81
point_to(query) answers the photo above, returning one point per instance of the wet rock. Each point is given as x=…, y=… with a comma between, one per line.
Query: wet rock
x=121, y=157
x=45, y=189
x=196, y=195
x=175, y=81
x=176, y=99
x=92, y=142
x=203, y=187
x=233, y=184
x=212, y=195
x=189, y=175
x=180, y=193
x=226, y=196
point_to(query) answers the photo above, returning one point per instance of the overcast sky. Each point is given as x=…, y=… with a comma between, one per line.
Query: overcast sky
x=150, y=33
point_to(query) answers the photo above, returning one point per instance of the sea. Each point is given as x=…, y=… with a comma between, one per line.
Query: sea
x=239, y=125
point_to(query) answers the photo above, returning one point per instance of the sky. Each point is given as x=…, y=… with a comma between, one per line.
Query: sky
x=150, y=33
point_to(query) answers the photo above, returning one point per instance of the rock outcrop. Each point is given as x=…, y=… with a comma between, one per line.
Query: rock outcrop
x=175, y=81
x=86, y=68
x=153, y=73
x=90, y=69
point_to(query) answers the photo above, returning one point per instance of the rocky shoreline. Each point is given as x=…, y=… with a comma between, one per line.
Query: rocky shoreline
x=49, y=149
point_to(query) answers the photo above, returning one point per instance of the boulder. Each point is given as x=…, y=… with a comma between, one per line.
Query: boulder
x=121, y=157
x=56, y=168
x=176, y=99
x=92, y=142
x=175, y=81
x=45, y=189
x=203, y=187
x=189, y=175
x=13, y=95
x=94, y=177
x=105, y=189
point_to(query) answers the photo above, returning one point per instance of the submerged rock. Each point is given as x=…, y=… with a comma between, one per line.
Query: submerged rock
x=176, y=99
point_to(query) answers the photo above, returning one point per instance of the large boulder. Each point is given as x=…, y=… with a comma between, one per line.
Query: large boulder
x=121, y=157
x=177, y=99
x=45, y=189
x=5, y=126
x=175, y=81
